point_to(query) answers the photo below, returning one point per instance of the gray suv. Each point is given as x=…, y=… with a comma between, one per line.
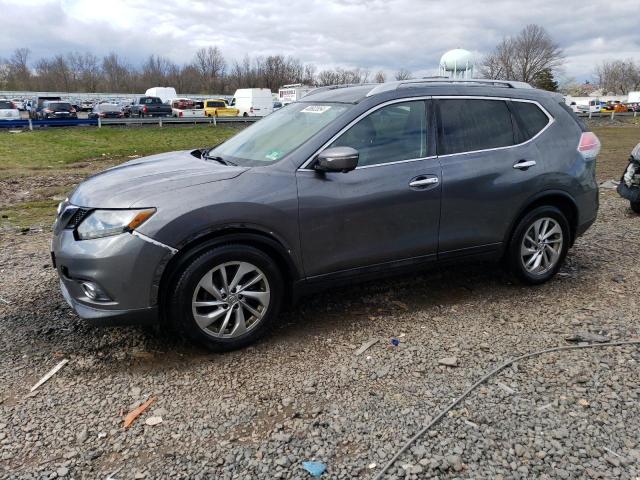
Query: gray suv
x=349, y=183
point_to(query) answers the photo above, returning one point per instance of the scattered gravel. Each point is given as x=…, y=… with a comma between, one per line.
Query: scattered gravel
x=303, y=394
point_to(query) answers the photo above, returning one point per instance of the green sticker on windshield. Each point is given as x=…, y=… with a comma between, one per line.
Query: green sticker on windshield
x=273, y=155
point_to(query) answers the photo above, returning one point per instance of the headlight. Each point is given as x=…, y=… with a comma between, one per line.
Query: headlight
x=104, y=223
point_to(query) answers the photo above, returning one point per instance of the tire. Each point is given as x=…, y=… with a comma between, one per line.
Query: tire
x=245, y=114
x=548, y=254
x=191, y=298
x=635, y=206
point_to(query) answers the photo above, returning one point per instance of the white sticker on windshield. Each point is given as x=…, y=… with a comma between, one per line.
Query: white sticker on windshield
x=316, y=109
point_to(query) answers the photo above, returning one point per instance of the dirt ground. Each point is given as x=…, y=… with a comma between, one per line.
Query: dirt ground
x=302, y=393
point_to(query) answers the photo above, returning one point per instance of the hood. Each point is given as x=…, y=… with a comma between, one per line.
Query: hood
x=122, y=186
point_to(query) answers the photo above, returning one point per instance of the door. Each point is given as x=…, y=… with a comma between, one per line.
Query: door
x=489, y=169
x=385, y=210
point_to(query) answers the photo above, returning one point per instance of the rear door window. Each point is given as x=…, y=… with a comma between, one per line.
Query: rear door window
x=531, y=120
x=467, y=125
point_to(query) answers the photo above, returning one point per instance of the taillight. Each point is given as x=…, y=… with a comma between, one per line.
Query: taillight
x=180, y=114
x=144, y=109
x=589, y=145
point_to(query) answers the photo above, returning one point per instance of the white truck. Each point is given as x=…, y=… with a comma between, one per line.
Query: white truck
x=166, y=94
x=186, y=108
x=253, y=102
x=292, y=93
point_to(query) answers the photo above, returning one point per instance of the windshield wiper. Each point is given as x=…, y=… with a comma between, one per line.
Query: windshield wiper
x=218, y=159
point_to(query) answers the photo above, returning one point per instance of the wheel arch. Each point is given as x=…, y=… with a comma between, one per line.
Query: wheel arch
x=555, y=198
x=254, y=237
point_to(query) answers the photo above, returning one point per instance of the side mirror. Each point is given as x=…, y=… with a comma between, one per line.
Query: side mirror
x=337, y=159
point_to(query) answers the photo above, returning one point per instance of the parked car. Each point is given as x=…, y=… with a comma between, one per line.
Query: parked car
x=253, y=102
x=186, y=108
x=37, y=104
x=345, y=184
x=56, y=110
x=106, y=110
x=277, y=105
x=19, y=104
x=86, y=106
x=148, y=107
x=8, y=110
x=218, y=107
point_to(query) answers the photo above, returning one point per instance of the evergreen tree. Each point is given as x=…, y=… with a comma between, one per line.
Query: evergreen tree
x=545, y=81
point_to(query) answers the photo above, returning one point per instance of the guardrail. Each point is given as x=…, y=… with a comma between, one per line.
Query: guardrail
x=160, y=121
x=607, y=114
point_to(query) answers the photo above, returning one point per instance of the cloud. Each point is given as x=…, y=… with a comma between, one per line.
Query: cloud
x=371, y=34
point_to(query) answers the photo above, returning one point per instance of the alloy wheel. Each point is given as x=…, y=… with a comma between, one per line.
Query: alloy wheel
x=231, y=299
x=541, y=246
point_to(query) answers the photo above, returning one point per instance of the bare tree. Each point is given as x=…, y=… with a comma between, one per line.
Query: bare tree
x=618, y=76
x=379, y=78
x=18, y=74
x=117, y=74
x=212, y=66
x=523, y=57
x=403, y=74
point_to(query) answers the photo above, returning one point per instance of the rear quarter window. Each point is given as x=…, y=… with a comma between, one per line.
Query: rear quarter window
x=575, y=117
x=467, y=125
x=530, y=119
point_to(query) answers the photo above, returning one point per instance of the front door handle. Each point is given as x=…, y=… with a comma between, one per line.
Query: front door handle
x=423, y=181
x=524, y=164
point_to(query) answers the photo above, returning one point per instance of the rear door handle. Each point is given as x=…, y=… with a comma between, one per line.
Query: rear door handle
x=524, y=164
x=423, y=181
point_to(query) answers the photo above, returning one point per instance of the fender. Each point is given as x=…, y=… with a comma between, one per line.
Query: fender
x=535, y=199
x=223, y=234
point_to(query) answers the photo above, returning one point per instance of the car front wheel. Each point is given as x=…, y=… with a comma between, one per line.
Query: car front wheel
x=539, y=245
x=227, y=297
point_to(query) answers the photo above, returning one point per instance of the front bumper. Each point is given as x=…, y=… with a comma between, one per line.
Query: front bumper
x=126, y=267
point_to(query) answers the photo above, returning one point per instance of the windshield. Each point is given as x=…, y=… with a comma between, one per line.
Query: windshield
x=59, y=106
x=5, y=105
x=278, y=134
x=108, y=107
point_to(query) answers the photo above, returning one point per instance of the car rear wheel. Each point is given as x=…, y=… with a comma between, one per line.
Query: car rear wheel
x=635, y=206
x=539, y=245
x=227, y=297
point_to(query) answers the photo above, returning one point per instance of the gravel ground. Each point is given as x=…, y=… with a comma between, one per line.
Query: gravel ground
x=302, y=393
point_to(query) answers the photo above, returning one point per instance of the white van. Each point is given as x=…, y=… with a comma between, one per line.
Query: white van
x=166, y=94
x=253, y=102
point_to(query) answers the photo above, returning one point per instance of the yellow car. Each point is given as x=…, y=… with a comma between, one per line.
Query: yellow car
x=218, y=107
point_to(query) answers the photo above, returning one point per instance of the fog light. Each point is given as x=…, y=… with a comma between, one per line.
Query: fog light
x=94, y=292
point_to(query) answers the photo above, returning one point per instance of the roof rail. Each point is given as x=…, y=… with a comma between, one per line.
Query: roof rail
x=335, y=87
x=390, y=86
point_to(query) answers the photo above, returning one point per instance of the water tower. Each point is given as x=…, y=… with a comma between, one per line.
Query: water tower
x=457, y=63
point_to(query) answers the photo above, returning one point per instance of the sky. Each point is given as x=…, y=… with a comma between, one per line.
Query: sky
x=372, y=34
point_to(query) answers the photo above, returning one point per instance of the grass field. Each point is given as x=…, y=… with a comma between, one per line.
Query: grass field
x=38, y=168
x=21, y=153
